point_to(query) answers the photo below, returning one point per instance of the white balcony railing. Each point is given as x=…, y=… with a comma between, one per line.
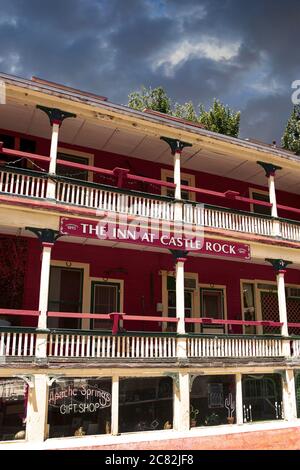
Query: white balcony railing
x=202, y=347
x=290, y=231
x=111, y=347
x=32, y=184
x=296, y=348
x=22, y=343
x=97, y=198
x=17, y=344
x=23, y=184
x=226, y=220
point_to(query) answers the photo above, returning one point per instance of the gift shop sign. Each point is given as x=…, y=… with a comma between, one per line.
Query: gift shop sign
x=106, y=230
x=82, y=399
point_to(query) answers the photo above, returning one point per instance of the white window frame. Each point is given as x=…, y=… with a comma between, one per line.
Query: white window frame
x=187, y=176
x=195, y=299
x=85, y=322
x=222, y=287
x=259, y=191
x=76, y=153
x=257, y=298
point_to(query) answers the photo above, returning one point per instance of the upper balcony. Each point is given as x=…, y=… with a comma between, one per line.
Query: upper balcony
x=112, y=159
x=28, y=187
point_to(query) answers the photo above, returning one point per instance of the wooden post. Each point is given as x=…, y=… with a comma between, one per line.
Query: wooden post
x=44, y=284
x=279, y=265
x=270, y=170
x=176, y=147
x=289, y=395
x=56, y=117
x=115, y=406
x=37, y=409
x=47, y=237
x=182, y=402
x=239, y=399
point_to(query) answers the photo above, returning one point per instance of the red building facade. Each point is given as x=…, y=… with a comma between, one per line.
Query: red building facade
x=155, y=262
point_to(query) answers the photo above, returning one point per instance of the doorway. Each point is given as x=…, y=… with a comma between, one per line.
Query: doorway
x=65, y=295
x=213, y=305
x=105, y=298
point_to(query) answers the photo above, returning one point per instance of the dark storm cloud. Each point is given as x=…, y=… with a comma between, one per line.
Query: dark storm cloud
x=244, y=53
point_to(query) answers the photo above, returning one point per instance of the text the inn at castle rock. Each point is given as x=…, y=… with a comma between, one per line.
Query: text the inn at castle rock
x=149, y=275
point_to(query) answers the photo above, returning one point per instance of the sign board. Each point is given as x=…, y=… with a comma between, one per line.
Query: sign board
x=128, y=233
x=78, y=399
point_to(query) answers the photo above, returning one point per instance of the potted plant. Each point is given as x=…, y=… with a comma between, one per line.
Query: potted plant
x=212, y=420
x=230, y=406
x=193, y=415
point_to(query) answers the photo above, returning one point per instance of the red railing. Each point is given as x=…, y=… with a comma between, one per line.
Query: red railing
x=80, y=166
x=213, y=321
x=116, y=317
x=122, y=174
x=11, y=311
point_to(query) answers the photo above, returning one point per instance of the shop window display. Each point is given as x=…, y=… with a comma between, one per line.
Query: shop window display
x=212, y=400
x=297, y=386
x=145, y=404
x=13, y=408
x=79, y=407
x=262, y=397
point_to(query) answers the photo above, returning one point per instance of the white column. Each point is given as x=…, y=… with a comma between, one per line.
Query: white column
x=272, y=198
x=37, y=407
x=239, y=399
x=177, y=181
x=115, y=406
x=289, y=396
x=41, y=339
x=44, y=284
x=272, y=195
x=177, y=175
x=182, y=403
x=282, y=302
x=180, y=295
x=53, y=157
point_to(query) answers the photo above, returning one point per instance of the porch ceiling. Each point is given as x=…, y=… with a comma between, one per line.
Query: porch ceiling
x=106, y=136
x=21, y=232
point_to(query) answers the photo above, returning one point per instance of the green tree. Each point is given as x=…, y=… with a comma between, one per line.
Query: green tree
x=291, y=137
x=150, y=98
x=185, y=111
x=220, y=118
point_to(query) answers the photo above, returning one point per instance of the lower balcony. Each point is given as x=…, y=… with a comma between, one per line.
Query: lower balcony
x=91, y=346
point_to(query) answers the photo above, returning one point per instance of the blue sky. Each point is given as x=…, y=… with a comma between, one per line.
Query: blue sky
x=246, y=53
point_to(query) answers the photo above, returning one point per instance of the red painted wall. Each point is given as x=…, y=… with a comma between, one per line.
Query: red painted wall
x=142, y=282
x=145, y=168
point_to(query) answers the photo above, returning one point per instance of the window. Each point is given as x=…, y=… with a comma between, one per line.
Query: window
x=70, y=172
x=18, y=143
x=262, y=397
x=186, y=180
x=212, y=400
x=79, y=407
x=260, y=196
x=249, y=307
x=13, y=408
x=297, y=387
x=65, y=295
x=212, y=305
x=190, y=285
x=105, y=299
x=145, y=404
x=8, y=141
